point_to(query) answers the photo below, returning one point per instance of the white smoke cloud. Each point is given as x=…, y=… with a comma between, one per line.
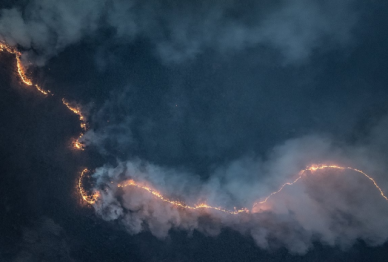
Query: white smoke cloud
x=334, y=207
x=181, y=30
x=49, y=26
x=325, y=207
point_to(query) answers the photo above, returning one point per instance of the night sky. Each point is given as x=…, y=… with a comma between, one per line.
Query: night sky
x=222, y=100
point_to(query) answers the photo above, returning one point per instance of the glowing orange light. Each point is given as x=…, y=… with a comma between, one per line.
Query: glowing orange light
x=76, y=110
x=275, y=192
x=179, y=203
x=315, y=168
x=20, y=68
x=256, y=205
x=42, y=90
x=78, y=145
x=90, y=199
x=22, y=74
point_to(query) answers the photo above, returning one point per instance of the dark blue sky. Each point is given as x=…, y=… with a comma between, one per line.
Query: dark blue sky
x=185, y=86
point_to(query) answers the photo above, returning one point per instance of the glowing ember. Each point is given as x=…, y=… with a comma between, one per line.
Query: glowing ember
x=90, y=199
x=42, y=90
x=77, y=144
x=180, y=204
x=21, y=71
x=76, y=110
x=22, y=74
x=315, y=168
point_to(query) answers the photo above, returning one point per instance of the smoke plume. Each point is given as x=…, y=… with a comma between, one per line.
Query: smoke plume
x=179, y=30
x=333, y=207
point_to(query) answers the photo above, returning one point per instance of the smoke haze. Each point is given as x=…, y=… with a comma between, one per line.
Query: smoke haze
x=181, y=30
x=234, y=99
x=334, y=207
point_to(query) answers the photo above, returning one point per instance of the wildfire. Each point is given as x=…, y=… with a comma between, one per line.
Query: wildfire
x=22, y=74
x=77, y=110
x=77, y=144
x=179, y=203
x=20, y=68
x=42, y=90
x=23, y=77
x=92, y=199
x=315, y=168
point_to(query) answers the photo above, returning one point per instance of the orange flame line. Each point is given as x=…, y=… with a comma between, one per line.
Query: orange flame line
x=93, y=198
x=77, y=144
x=314, y=168
x=76, y=110
x=280, y=189
x=22, y=74
x=179, y=203
x=235, y=211
x=4, y=47
x=21, y=71
x=42, y=90
x=90, y=199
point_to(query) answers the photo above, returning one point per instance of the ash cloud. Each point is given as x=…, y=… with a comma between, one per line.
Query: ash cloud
x=180, y=30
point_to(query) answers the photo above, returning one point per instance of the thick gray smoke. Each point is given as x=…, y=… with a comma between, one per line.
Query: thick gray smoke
x=334, y=207
x=180, y=30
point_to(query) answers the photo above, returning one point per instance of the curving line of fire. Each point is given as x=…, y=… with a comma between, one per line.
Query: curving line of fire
x=94, y=197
